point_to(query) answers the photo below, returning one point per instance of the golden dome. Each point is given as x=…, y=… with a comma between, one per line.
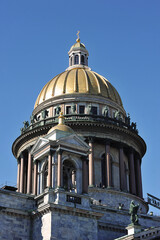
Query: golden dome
x=78, y=81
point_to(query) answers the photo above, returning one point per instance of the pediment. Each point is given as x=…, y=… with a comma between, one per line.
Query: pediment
x=40, y=143
x=74, y=141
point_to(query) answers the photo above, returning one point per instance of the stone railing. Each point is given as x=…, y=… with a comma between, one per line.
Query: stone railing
x=126, y=124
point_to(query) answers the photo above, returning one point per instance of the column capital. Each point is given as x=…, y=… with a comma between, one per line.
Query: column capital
x=121, y=145
x=29, y=149
x=91, y=139
x=84, y=158
x=59, y=150
x=21, y=155
x=107, y=141
x=131, y=150
x=51, y=152
x=18, y=160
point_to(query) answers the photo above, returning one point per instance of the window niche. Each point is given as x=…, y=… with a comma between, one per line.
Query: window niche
x=82, y=60
x=69, y=176
x=76, y=59
x=45, y=176
x=81, y=109
x=68, y=109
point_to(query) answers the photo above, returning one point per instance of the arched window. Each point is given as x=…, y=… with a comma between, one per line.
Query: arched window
x=82, y=60
x=45, y=174
x=69, y=176
x=76, y=59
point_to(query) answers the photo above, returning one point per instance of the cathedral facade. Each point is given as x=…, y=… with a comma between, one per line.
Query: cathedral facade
x=78, y=162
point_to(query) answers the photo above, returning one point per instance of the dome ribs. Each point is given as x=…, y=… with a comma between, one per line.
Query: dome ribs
x=45, y=90
x=104, y=86
x=97, y=82
x=107, y=87
x=76, y=81
x=39, y=96
x=110, y=90
x=65, y=81
x=55, y=82
x=113, y=90
x=86, y=78
x=81, y=81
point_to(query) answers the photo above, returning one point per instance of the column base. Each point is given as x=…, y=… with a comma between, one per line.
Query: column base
x=60, y=188
x=133, y=228
x=91, y=186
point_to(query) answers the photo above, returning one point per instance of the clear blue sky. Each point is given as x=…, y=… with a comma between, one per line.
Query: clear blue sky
x=123, y=40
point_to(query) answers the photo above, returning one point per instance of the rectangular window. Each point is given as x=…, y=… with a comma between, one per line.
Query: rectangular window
x=81, y=109
x=94, y=110
x=68, y=109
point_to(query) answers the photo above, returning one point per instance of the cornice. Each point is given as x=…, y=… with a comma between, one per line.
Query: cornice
x=111, y=227
x=66, y=210
x=76, y=97
x=41, y=130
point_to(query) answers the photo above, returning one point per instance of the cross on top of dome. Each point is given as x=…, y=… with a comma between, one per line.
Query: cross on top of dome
x=78, y=39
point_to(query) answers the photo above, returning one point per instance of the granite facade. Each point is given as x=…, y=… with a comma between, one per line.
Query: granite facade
x=23, y=217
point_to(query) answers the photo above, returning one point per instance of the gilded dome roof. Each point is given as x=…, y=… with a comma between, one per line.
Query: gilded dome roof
x=78, y=81
x=61, y=127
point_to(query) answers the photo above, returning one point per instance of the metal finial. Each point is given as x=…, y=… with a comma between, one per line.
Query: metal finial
x=61, y=118
x=78, y=39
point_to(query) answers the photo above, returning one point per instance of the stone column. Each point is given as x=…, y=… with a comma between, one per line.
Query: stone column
x=35, y=178
x=54, y=179
x=70, y=61
x=85, y=176
x=49, y=170
x=108, y=166
x=29, y=175
x=132, y=173
x=139, y=178
x=51, y=112
x=79, y=58
x=59, y=171
x=18, y=175
x=121, y=168
x=91, y=164
x=22, y=174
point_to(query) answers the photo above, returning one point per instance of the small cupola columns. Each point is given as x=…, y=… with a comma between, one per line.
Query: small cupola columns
x=78, y=55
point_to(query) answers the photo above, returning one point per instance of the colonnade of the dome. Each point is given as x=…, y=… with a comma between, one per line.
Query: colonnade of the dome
x=92, y=172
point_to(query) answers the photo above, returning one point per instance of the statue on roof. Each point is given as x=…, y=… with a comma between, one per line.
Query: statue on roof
x=133, y=211
x=73, y=108
x=106, y=111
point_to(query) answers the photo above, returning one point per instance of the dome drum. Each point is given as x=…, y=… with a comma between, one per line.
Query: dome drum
x=104, y=128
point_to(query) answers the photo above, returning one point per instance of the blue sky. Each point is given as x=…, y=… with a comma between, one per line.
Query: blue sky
x=123, y=40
